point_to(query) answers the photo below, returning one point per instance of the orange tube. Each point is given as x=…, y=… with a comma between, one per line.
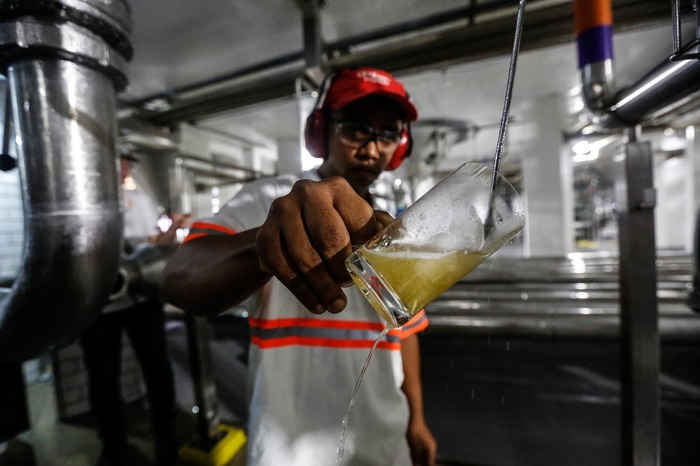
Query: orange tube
x=589, y=14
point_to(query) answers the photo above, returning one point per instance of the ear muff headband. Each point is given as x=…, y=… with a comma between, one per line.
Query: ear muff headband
x=315, y=130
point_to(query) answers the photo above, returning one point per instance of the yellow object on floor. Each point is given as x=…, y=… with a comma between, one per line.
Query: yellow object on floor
x=226, y=451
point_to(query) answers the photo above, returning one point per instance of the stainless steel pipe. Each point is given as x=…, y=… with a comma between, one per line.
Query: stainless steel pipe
x=661, y=90
x=64, y=61
x=664, y=88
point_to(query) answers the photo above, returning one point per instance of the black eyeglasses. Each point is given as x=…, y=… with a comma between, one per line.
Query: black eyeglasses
x=356, y=135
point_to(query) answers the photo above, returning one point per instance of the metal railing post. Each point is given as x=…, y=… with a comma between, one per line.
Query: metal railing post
x=640, y=346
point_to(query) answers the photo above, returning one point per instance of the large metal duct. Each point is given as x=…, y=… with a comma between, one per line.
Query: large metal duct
x=64, y=61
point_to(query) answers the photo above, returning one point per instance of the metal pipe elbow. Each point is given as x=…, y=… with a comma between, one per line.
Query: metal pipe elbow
x=140, y=272
x=64, y=62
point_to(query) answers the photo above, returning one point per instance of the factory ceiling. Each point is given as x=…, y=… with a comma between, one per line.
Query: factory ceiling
x=234, y=67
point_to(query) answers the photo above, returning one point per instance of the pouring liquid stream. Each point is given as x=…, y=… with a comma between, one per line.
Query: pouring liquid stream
x=346, y=418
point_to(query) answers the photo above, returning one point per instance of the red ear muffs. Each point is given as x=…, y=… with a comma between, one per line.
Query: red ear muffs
x=402, y=151
x=315, y=134
x=315, y=129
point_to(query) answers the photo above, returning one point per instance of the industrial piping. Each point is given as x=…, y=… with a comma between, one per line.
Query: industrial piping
x=667, y=86
x=661, y=90
x=64, y=62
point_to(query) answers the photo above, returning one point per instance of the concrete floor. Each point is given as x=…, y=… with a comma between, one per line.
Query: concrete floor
x=501, y=401
x=54, y=443
x=489, y=401
x=51, y=442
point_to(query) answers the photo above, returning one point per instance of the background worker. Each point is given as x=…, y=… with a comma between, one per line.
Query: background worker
x=142, y=318
x=283, y=241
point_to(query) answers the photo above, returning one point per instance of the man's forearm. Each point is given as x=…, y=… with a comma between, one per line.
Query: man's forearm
x=211, y=274
x=412, y=385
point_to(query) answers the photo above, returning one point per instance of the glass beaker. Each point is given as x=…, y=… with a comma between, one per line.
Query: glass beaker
x=436, y=241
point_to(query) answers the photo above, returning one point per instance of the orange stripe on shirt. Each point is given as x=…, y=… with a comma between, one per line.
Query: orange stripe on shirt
x=315, y=323
x=197, y=227
x=418, y=323
x=192, y=236
x=326, y=342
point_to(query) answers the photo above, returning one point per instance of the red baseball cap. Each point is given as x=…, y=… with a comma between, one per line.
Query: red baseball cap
x=349, y=85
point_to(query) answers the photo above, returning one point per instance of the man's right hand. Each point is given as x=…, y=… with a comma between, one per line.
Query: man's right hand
x=307, y=236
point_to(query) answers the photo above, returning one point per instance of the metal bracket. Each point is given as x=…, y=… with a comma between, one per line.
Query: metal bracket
x=692, y=50
x=311, y=26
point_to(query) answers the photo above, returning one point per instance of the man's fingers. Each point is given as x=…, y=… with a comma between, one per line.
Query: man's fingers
x=307, y=236
x=308, y=256
x=332, y=241
x=285, y=250
x=357, y=216
x=271, y=256
x=382, y=219
x=275, y=260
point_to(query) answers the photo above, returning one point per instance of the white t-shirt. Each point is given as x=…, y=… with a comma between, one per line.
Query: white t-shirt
x=140, y=215
x=140, y=223
x=304, y=367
